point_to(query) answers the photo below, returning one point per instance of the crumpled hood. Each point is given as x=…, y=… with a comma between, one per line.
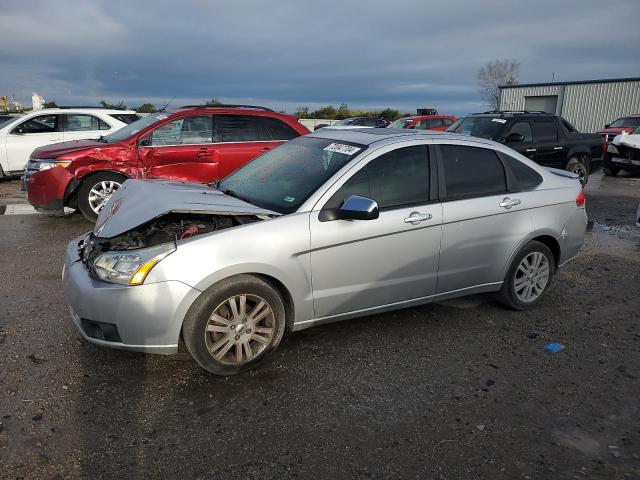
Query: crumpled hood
x=57, y=149
x=139, y=201
x=632, y=141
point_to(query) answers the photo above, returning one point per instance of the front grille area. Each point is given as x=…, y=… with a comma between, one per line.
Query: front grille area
x=100, y=330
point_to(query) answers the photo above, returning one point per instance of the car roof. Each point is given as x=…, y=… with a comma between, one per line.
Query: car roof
x=82, y=110
x=512, y=114
x=369, y=136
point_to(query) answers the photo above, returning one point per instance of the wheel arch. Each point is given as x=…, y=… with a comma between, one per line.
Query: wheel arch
x=74, y=185
x=546, y=238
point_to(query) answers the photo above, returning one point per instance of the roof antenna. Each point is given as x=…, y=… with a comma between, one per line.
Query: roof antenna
x=165, y=107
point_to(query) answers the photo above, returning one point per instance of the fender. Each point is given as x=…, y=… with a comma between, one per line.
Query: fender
x=538, y=233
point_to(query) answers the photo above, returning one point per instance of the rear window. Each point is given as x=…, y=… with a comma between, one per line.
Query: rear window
x=471, y=171
x=527, y=178
x=125, y=117
x=627, y=122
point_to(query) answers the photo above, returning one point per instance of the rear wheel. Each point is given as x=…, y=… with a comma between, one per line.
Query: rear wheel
x=234, y=325
x=95, y=191
x=579, y=166
x=529, y=277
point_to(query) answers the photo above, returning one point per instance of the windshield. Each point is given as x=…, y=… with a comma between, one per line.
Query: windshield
x=283, y=178
x=401, y=123
x=482, y=127
x=346, y=121
x=629, y=122
x=135, y=127
x=636, y=131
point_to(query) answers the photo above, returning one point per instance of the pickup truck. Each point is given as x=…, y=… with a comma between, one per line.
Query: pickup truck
x=544, y=138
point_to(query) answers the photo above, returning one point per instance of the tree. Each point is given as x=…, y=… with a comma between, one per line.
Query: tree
x=495, y=74
x=343, y=112
x=213, y=102
x=116, y=106
x=390, y=114
x=146, y=108
x=302, y=111
x=49, y=105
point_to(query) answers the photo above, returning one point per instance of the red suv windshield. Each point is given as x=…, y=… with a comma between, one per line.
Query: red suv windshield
x=135, y=127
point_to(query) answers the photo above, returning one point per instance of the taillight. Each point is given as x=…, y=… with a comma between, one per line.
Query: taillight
x=581, y=199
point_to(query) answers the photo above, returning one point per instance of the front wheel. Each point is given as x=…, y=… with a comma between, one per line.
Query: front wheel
x=529, y=277
x=610, y=170
x=95, y=191
x=234, y=325
x=579, y=166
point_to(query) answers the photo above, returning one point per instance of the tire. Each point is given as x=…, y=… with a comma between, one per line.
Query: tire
x=580, y=166
x=227, y=344
x=610, y=170
x=89, y=203
x=511, y=294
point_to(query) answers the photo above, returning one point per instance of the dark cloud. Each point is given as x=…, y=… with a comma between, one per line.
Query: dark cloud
x=401, y=53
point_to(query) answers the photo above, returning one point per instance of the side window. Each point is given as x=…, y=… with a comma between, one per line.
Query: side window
x=81, y=123
x=192, y=130
x=471, y=171
x=237, y=128
x=568, y=127
x=526, y=177
x=39, y=124
x=545, y=131
x=274, y=129
x=447, y=122
x=523, y=128
x=394, y=179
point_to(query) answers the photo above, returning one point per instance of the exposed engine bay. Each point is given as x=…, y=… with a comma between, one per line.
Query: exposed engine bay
x=167, y=228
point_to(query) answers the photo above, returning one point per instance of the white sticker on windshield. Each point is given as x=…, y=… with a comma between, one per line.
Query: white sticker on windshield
x=289, y=199
x=499, y=120
x=342, y=148
x=162, y=117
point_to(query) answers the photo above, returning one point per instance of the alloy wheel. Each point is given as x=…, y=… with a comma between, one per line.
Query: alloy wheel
x=239, y=329
x=532, y=277
x=100, y=193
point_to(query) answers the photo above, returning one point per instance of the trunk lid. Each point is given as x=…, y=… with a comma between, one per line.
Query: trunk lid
x=139, y=201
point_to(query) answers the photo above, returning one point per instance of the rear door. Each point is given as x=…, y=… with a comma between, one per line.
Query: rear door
x=240, y=138
x=549, y=143
x=483, y=222
x=181, y=150
x=30, y=134
x=81, y=126
x=358, y=265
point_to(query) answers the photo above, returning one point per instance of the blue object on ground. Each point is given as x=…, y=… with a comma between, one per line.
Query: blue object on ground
x=553, y=347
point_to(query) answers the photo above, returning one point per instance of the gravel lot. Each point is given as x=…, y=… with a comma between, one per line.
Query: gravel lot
x=455, y=390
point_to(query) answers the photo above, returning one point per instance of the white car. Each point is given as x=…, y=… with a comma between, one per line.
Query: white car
x=23, y=134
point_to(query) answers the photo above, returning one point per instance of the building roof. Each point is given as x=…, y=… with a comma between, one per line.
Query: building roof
x=579, y=82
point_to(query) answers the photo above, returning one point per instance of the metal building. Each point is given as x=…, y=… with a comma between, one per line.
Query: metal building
x=588, y=105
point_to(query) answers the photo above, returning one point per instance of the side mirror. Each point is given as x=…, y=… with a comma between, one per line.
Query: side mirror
x=144, y=142
x=607, y=125
x=514, y=137
x=354, y=208
x=18, y=130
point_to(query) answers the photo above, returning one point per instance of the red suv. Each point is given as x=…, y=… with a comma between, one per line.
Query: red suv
x=425, y=122
x=192, y=144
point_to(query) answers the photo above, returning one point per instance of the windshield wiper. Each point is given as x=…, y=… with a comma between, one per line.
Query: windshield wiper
x=231, y=193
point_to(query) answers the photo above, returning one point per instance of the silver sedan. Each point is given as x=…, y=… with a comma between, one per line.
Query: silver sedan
x=333, y=225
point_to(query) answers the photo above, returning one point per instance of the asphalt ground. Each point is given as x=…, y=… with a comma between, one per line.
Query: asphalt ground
x=459, y=390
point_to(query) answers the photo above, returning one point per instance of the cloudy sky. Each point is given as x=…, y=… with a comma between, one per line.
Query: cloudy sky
x=282, y=53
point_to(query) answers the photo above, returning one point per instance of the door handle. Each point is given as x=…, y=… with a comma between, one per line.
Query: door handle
x=557, y=148
x=509, y=202
x=266, y=149
x=416, y=217
x=530, y=150
x=203, y=153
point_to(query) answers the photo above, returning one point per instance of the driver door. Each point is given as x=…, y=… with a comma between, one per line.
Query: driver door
x=25, y=137
x=362, y=264
x=181, y=150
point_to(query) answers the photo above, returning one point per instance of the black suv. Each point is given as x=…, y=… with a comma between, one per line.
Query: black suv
x=544, y=138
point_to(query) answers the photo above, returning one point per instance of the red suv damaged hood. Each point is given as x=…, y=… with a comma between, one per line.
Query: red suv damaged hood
x=58, y=149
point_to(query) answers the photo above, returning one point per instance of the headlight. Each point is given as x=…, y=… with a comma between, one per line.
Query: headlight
x=611, y=148
x=47, y=164
x=132, y=267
